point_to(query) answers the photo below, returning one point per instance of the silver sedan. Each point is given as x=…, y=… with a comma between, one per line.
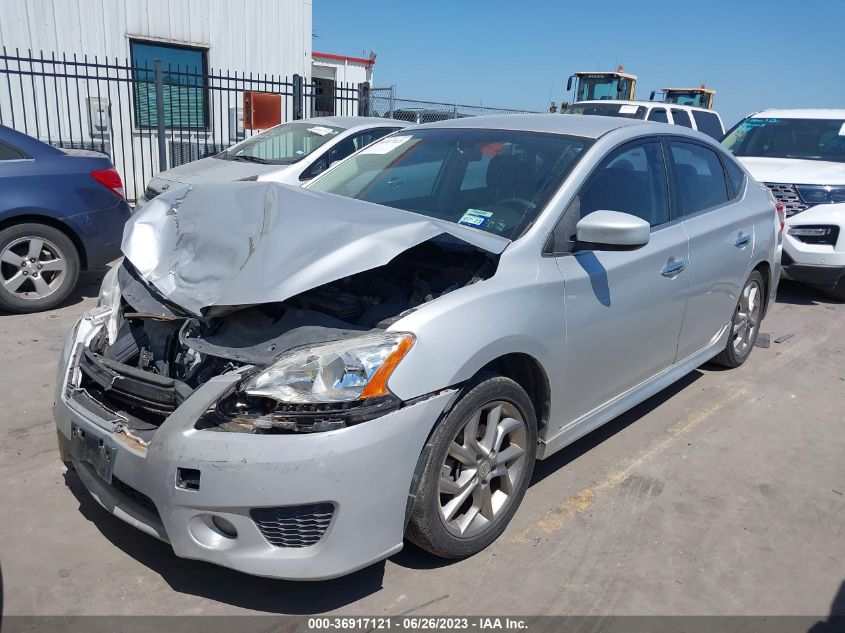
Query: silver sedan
x=290, y=382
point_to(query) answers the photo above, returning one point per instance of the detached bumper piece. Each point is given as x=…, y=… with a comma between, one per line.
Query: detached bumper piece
x=141, y=394
x=293, y=526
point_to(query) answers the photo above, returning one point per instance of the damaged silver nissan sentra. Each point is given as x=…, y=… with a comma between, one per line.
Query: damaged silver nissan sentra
x=289, y=381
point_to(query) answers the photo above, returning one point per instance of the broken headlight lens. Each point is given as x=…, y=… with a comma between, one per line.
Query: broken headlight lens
x=341, y=371
x=110, y=297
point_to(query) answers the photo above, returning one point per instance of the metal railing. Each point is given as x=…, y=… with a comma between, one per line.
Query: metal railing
x=383, y=102
x=149, y=119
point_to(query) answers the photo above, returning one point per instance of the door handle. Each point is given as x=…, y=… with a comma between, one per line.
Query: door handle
x=673, y=268
x=742, y=240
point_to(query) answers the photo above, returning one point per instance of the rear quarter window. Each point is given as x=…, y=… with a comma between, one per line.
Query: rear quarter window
x=708, y=123
x=735, y=175
x=7, y=152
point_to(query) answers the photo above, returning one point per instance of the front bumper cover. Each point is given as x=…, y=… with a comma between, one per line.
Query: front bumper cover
x=364, y=471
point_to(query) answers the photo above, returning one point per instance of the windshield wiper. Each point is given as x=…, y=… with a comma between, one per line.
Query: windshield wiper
x=249, y=159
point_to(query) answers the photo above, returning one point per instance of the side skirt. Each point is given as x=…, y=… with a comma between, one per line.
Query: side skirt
x=632, y=397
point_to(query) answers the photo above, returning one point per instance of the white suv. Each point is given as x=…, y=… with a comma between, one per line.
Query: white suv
x=800, y=156
x=701, y=119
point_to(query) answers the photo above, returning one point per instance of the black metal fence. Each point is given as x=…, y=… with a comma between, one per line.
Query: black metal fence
x=383, y=102
x=149, y=119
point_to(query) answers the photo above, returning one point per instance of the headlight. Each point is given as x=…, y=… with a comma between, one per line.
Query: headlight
x=821, y=194
x=341, y=371
x=110, y=298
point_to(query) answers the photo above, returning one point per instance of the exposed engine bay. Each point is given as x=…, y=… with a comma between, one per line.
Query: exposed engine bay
x=161, y=354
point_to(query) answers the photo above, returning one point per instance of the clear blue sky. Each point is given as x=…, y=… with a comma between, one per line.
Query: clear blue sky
x=756, y=54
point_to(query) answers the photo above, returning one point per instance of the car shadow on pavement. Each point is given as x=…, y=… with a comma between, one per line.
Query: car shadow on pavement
x=835, y=622
x=794, y=293
x=578, y=448
x=225, y=585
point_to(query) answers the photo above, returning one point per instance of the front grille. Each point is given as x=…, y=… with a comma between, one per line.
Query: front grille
x=293, y=526
x=788, y=196
x=150, y=193
x=136, y=497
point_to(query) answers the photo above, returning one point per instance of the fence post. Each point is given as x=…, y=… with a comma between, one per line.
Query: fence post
x=392, y=99
x=298, y=89
x=159, y=87
x=364, y=99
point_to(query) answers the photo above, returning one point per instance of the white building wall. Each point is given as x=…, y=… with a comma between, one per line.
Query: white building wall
x=258, y=36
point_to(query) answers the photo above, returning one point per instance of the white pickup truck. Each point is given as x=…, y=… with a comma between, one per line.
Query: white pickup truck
x=800, y=156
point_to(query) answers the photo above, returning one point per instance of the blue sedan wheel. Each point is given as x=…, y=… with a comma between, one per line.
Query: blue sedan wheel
x=39, y=267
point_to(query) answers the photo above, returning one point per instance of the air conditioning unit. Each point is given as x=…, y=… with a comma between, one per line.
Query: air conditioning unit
x=98, y=116
x=182, y=152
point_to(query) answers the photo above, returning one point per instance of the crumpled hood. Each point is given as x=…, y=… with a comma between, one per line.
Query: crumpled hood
x=244, y=243
x=212, y=169
x=794, y=171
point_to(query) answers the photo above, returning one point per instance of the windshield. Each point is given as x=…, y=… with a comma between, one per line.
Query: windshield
x=494, y=180
x=691, y=98
x=283, y=144
x=810, y=139
x=603, y=87
x=608, y=109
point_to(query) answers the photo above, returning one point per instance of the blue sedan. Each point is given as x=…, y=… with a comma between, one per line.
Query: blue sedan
x=61, y=211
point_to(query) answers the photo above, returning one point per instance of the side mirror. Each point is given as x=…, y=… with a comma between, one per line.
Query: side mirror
x=611, y=231
x=651, y=96
x=569, y=84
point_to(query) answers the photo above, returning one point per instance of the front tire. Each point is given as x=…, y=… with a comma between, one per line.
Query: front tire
x=39, y=267
x=745, y=324
x=478, y=467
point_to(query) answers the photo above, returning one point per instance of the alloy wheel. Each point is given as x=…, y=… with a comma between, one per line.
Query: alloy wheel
x=32, y=268
x=483, y=469
x=748, y=315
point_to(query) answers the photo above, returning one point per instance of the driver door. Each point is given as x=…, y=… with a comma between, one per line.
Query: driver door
x=624, y=308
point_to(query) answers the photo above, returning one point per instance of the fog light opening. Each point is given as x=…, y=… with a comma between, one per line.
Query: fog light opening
x=224, y=526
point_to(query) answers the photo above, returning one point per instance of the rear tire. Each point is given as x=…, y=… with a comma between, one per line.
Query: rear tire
x=745, y=324
x=478, y=466
x=39, y=267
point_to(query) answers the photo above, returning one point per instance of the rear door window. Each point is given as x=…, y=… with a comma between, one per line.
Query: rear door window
x=698, y=176
x=681, y=118
x=709, y=123
x=658, y=115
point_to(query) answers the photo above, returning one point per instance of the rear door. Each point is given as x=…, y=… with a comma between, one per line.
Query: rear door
x=721, y=240
x=624, y=309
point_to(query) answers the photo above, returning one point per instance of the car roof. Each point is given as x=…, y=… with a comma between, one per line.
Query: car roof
x=590, y=127
x=641, y=102
x=800, y=113
x=348, y=122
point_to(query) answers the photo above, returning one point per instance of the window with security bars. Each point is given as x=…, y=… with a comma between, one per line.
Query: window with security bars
x=185, y=93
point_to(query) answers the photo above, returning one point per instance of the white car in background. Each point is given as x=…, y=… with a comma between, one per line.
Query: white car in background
x=701, y=119
x=290, y=153
x=800, y=156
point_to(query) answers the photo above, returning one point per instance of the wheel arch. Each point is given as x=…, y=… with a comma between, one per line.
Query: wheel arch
x=765, y=269
x=34, y=217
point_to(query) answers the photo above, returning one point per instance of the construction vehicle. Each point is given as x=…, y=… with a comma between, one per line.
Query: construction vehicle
x=602, y=85
x=701, y=97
